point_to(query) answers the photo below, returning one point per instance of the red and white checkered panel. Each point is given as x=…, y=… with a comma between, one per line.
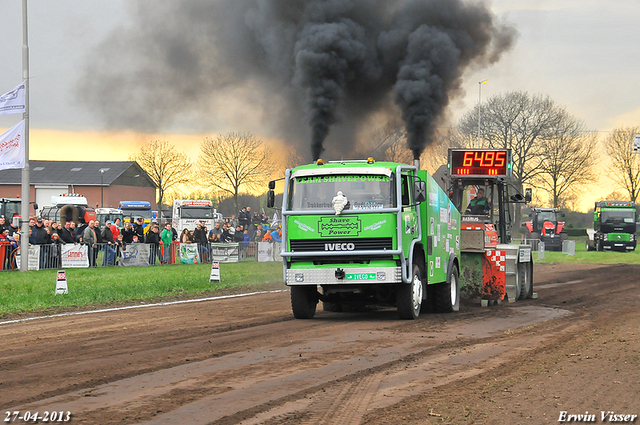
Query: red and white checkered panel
x=497, y=259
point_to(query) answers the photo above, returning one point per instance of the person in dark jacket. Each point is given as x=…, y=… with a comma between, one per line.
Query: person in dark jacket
x=109, y=247
x=138, y=228
x=40, y=234
x=128, y=233
x=153, y=239
x=66, y=235
x=200, y=237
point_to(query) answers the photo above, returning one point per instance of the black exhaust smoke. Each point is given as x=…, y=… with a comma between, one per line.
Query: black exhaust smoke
x=344, y=60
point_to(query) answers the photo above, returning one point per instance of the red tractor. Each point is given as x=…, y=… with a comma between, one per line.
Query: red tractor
x=546, y=227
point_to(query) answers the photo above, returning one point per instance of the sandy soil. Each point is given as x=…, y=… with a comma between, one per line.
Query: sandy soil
x=245, y=360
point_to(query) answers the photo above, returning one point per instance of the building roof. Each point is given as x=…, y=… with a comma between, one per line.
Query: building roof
x=80, y=173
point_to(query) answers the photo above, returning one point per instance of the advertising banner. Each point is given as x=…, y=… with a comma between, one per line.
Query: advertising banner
x=189, y=253
x=34, y=257
x=136, y=254
x=265, y=252
x=74, y=256
x=225, y=252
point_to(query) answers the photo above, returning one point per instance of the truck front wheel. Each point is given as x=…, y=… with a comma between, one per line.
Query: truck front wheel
x=447, y=295
x=303, y=301
x=409, y=296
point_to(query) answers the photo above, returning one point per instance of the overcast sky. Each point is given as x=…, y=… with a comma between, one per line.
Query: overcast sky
x=582, y=53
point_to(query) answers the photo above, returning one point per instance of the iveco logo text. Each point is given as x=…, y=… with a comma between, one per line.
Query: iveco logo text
x=339, y=246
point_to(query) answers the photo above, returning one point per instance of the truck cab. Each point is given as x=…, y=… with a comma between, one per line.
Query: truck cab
x=358, y=233
x=614, y=227
x=546, y=226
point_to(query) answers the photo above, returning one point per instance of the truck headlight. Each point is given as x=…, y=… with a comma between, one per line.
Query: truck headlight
x=299, y=277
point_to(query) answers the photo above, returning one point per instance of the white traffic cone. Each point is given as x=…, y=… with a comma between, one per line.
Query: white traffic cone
x=61, y=283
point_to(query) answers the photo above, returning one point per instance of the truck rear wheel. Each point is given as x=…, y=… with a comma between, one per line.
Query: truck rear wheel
x=409, y=296
x=447, y=295
x=525, y=280
x=303, y=301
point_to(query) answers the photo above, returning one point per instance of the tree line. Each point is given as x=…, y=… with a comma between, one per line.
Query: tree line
x=553, y=151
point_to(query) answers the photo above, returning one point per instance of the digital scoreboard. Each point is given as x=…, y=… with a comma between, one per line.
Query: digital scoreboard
x=480, y=162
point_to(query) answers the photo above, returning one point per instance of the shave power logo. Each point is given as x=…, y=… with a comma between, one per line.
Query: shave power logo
x=339, y=226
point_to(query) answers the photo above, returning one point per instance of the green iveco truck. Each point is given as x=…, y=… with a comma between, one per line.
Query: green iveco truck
x=614, y=227
x=359, y=233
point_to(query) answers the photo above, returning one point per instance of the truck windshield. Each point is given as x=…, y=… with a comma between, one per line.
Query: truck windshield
x=363, y=192
x=618, y=216
x=196, y=212
x=111, y=217
x=135, y=213
x=543, y=216
x=12, y=208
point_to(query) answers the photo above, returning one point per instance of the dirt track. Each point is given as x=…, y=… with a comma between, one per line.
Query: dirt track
x=246, y=360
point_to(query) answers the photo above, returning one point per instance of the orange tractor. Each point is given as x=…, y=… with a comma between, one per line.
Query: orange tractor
x=545, y=226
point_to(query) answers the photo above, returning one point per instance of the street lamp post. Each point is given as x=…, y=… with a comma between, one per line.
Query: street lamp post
x=480, y=83
x=102, y=188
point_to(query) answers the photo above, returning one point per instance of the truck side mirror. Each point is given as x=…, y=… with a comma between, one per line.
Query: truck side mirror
x=420, y=191
x=271, y=197
x=527, y=195
x=272, y=184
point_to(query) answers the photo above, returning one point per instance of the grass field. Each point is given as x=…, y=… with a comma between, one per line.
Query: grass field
x=583, y=256
x=35, y=290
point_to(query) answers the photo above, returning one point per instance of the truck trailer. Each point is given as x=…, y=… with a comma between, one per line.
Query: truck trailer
x=360, y=233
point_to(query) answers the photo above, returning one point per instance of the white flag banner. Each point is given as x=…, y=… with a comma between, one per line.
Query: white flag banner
x=13, y=102
x=12, y=147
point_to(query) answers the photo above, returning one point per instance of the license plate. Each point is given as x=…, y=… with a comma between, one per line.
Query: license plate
x=361, y=276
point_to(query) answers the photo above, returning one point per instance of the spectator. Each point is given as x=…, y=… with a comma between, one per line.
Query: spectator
x=226, y=236
x=108, y=240
x=167, y=239
x=138, y=228
x=276, y=235
x=200, y=237
x=184, y=236
x=258, y=236
x=90, y=238
x=215, y=233
x=121, y=246
x=55, y=253
x=249, y=224
x=153, y=239
x=267, y=237
x=255, y=222
x=115, y=228
x=243, y=220
x=40, y=234
x=238, y=236
x=66, y=235
x=3, y=224
x=127, y=233
x=233, y=221
x=246, y=239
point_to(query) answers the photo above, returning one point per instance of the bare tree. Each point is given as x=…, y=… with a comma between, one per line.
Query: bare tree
x=568, y=158
x=235, y=161
x=516, y=121
x=166, y=166
x=625, y=165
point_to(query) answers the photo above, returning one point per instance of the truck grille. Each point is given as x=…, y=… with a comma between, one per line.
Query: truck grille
x=367, y=244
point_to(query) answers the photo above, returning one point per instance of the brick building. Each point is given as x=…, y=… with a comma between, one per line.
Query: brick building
x=102, y=183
